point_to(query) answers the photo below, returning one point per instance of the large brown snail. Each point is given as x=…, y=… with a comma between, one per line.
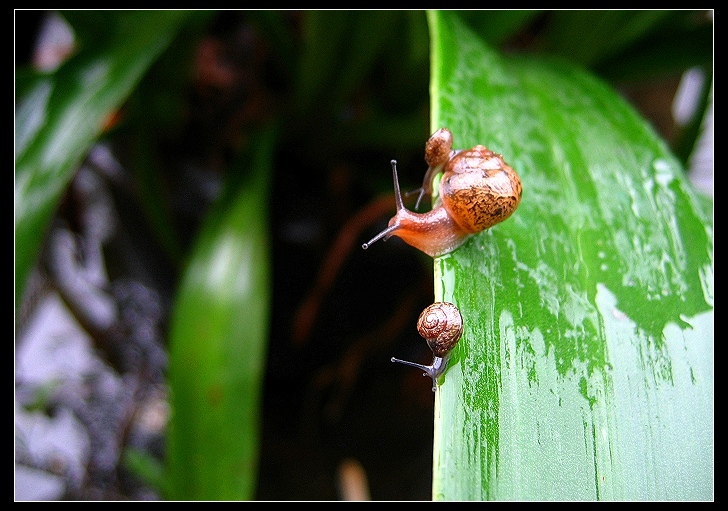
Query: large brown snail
x=478, y=190
x=441, y=324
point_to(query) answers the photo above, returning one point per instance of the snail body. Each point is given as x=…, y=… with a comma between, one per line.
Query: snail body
x=441, y=325
x=478, y=190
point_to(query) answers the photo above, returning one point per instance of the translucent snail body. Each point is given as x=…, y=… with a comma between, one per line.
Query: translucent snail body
x=478, y=190
x=441, y=325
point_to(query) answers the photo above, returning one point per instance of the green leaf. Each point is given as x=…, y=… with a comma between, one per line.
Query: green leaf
x=670, y=51
x=218, y=340
x=60, y=115
x=495, y=27
x=608, y=31
x=339, y=49
x=144, y=466
x=585, y=371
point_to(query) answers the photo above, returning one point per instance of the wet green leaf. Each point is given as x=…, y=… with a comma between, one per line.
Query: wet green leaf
x=585, y=371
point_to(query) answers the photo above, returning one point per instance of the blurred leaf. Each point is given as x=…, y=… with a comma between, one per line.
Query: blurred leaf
x=586, y=37
x=669, y=52
x=585, y=371
x=324, y=36
x=631, y=45
x=365, y=40
x=145, y=466
x=218, y=341
x=495, y=27
x=61, y=114
x=155, y=117
x=340, y=49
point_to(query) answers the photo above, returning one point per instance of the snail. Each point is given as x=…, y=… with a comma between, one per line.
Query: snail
x=478, y=190
x=441, y=324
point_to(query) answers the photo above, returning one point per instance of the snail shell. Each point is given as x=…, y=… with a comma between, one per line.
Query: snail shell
x=441, y=324
x=478, y=190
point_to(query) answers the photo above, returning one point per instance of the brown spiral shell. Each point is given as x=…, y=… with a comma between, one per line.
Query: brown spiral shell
x=437, y=150
x=441, y=325
x=479, y=189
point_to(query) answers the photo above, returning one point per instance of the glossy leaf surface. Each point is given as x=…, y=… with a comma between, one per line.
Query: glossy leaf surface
x=585, y=371
x=59, y=115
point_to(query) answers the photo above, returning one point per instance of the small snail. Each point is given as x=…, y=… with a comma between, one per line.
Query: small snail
x=441, y=325
x=478, y=190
